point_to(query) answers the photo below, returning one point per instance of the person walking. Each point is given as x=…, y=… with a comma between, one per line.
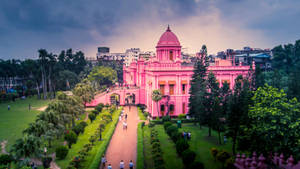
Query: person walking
x=109, y=166
x=122, y=164
x=103, y=161
x=126, y=116
x=8, y=107
x=124, y=125
x=130, y=164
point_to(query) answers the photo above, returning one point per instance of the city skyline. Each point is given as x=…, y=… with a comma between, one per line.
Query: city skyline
x=27, y=26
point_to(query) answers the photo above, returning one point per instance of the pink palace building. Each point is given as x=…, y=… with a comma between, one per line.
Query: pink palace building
x=168, y=73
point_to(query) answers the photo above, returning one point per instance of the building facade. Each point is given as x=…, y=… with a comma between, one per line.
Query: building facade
x=170, y=74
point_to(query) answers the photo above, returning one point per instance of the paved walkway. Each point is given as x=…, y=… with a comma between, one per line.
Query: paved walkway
x=123, y=145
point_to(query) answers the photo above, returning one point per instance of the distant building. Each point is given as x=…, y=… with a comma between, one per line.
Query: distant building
x=146, y=55
x=247, y=55
x=131, y=55
x=104, y=53
x=10, y=82
x=103, y=49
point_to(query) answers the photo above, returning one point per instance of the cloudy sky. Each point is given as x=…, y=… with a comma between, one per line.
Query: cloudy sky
x=28, y=25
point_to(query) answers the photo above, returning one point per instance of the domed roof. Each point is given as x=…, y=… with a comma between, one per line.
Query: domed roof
x=168, y=39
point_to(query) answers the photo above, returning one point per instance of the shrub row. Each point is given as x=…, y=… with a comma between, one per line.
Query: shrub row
x=174, y=121
x=142, y=115
x=182, y=147
x=83, y=153
x=102, y=148
x=156, y=150
x=79, y=128
x=140, y=146
x=224, y=157
x=142, y=107
x=71, y=136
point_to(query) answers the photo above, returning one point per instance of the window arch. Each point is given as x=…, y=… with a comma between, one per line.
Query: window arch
x=171, y=55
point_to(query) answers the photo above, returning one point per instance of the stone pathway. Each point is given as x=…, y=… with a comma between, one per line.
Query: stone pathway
x=42, y=108
x=53, y=165
x=123, y=145
x=86, y=116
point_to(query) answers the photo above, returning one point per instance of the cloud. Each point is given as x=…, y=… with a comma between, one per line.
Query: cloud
x=27, y=25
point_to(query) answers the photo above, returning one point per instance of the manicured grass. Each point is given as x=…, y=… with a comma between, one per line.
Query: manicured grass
x=201, y=144
x=14, y=121
x=171, y=159
x=140, y=147
x=141, y=115
x=148, y=160
x=84, y=139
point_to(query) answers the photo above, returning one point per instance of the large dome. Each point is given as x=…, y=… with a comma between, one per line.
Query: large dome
x=168, y=39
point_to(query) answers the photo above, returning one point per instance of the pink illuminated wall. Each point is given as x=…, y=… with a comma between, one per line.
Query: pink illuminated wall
x=167, y=72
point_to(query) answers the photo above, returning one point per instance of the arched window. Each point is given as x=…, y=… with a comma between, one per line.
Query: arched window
x=172, y=108
x=162, y=109
x=171, y=55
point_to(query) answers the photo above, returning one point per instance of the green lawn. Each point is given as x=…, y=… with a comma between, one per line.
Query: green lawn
x=13, y=122
x=170, y=156
x=201, y=144
x=148, y=160
x=140, y=147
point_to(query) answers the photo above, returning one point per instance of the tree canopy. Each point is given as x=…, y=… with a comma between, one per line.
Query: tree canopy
x=103, y=75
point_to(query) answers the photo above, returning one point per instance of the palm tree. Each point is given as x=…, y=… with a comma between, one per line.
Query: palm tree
x=156, y=96
x=43, y=54
x=28, y=146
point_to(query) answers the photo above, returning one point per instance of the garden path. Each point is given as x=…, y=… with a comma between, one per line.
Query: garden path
x=123, y=145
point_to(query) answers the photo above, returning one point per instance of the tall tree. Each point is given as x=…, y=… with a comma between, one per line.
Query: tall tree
x=258, y=77
x=212, y=103
x=103, y=75
x=85, y=91
x=43, y=54
x=198, y=90
x=238, y=109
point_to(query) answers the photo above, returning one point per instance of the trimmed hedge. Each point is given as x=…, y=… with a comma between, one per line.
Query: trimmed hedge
x=167, y=124
x=175, y=121
x=188, y=157
x=61, y=152
x=140, y=147
x=102, y=148
x=181, y=146
x=141, y=114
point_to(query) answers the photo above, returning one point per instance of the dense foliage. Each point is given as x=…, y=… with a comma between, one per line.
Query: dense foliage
x=275, y=123
x=52, y=72
x=61, y=152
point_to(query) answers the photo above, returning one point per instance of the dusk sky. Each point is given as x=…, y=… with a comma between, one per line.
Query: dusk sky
x=28, y=25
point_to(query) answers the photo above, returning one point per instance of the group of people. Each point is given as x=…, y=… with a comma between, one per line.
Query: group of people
x=122, y=164
x=186, y=135
x=125, y=119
